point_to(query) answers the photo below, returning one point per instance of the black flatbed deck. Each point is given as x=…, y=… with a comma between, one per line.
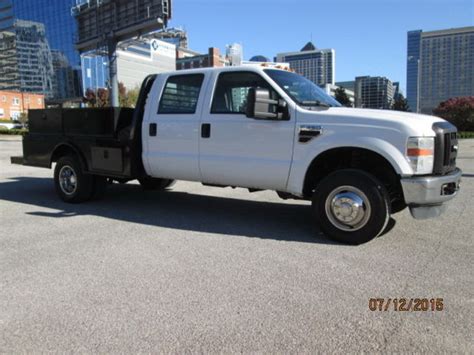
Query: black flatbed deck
x=107, y=141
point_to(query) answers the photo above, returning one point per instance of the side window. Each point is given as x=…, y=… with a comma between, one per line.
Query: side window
x=181, y=94
x=231, y=92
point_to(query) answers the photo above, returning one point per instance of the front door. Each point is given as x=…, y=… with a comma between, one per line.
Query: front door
x=239, y=151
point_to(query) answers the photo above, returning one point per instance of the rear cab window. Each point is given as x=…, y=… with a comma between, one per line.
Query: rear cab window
x=181, y=94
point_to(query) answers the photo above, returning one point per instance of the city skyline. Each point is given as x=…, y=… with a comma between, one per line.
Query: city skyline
x=365, y=41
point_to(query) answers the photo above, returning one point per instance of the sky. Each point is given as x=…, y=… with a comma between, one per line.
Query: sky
x=369, y=36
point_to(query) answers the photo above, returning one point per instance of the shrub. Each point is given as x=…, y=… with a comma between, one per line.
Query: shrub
x=459, y=111
x=9, y=121
x=13, y=132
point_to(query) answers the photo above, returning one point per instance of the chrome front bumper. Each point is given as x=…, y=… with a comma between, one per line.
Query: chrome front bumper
x=425, y=195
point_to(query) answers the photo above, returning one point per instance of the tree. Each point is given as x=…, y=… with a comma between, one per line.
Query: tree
x=90, y=97
x=23, y=119
x=342, y=97
x=101, y=97
x=400, y=103
x=459, y=111
x=128, y=98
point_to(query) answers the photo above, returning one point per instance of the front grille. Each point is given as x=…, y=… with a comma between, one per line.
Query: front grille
x=446, y=148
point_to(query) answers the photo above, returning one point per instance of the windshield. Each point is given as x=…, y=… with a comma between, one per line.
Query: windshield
x=303, y=91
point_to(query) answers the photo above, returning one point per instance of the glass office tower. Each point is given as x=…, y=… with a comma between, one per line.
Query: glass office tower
x=413, y=58
x=57, y=19
x=61, y=32
x=6, y=15
x=439, y=67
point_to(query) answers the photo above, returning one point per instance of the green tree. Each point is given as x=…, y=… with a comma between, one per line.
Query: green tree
x=459, y=111
x=342, y=97
x=400, y=103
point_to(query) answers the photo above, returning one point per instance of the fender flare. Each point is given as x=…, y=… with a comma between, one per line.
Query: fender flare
x=71, y=147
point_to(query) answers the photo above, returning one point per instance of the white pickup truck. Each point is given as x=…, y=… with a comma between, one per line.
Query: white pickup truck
x=261, y=128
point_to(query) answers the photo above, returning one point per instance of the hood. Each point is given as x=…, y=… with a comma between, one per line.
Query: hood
x=414, y=123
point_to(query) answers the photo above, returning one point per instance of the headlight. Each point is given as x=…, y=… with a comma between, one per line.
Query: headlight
x=420, y=154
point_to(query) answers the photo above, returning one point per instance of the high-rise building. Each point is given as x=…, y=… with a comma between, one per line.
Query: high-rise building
x=348, y=85
x=439, y=66
x=60, y=31
x=235, y=54
x=67, y=82
x=397, y=94
x=56, y=16
x=413, y=62
x=25, y=60
x=374, y=92
x=318, y=65
x=6, y=15
x=135, y=61
x=9, y=74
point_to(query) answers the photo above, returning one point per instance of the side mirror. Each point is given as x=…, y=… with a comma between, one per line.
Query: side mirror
x=261, y=106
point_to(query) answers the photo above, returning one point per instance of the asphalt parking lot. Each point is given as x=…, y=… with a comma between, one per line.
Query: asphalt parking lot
x=202, y=269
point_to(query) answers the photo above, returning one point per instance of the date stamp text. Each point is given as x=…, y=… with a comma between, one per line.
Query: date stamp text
x=406, y=304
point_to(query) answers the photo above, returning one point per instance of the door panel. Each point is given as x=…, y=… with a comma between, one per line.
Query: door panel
x=172, y=130
x=246, y=152
x=241, y=151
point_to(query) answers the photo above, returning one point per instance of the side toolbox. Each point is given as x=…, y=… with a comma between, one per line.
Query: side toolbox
x=107, y=159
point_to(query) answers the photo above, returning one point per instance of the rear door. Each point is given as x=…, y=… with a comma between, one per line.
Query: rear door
x=240, y=151
x=171, y=128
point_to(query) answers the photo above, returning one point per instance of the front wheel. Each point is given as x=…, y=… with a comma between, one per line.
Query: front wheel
x=351, y=206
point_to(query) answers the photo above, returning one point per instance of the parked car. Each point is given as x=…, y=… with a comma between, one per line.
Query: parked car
x=11, y=125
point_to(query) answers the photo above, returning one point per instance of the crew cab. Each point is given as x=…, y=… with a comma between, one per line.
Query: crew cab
x=257, y=127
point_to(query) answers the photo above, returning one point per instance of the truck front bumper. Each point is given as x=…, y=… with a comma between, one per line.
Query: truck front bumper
x=425, y=195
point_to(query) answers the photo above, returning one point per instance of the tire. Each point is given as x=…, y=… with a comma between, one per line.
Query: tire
x=351, y=206
x=71, y=183
x=152, y=184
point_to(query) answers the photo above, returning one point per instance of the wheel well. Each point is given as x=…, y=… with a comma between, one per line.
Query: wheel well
x=353, y=158
x=64, y=150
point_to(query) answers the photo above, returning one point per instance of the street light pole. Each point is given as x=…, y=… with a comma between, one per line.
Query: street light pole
x=113, y=72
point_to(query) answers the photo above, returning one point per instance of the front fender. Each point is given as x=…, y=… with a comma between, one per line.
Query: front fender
x=305, y=155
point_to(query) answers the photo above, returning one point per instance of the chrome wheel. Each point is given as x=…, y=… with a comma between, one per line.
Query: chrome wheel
x=68, y=180
x=348, y=208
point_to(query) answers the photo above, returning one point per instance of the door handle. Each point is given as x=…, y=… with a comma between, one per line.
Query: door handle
x=206, y=130
x=153, y=129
